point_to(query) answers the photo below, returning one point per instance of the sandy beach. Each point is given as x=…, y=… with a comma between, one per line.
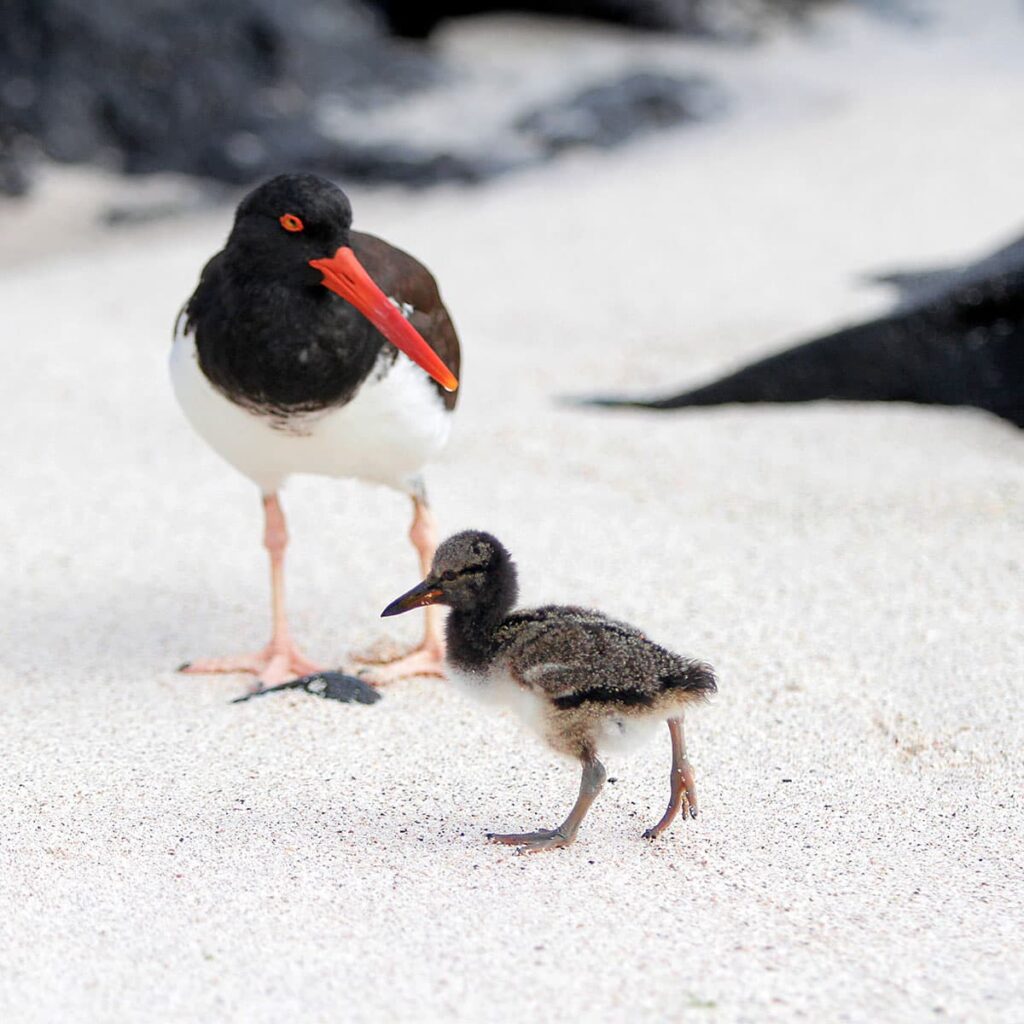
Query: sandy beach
x=855, y=574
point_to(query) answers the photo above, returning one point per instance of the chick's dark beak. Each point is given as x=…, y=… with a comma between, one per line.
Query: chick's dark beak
x=422, y=594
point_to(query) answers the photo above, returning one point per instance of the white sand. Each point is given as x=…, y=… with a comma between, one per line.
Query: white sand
x=855, y=573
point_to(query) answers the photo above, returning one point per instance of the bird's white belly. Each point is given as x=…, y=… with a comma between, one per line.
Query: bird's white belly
x=385, y=434
x=622, y=734
x=616, y=733
x=499, y=690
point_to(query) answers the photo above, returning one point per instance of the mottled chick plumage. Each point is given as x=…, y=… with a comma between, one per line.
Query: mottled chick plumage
x=578, y=656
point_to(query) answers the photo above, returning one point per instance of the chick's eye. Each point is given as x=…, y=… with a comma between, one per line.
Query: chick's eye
x=449, y=575
x=290, y=222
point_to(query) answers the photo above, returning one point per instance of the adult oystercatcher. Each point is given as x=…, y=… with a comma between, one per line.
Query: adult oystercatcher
x=311, y=348
x=583, y=681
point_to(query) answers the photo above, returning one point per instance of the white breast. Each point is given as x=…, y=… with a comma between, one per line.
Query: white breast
x=618, y=734
x=623, y=734
x=499, y=690
x=393, y=426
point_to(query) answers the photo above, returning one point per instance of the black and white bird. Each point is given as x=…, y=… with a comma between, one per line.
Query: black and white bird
x=308, y=347
x=582, y=681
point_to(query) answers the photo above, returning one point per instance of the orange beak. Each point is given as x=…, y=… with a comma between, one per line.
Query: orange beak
x=345, y=276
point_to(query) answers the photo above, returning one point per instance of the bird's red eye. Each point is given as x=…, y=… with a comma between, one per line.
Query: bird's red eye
x=290, y=222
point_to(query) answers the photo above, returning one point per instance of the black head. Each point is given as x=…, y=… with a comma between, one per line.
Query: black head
x=285, y=223
x=294, y=231
x=471, y=571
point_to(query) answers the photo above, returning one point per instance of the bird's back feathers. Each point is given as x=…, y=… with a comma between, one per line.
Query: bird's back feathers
x=578, y=655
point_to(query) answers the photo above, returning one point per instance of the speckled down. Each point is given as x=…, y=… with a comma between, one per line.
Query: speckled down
x=854, y=575
x=595, y=677
x=566, y=651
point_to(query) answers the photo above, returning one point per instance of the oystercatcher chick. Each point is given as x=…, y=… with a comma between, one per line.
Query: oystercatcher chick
x=582, y=681
x=308, y=347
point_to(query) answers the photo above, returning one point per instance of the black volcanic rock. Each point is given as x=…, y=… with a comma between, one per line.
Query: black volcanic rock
x=222, y=90
x=610, y=113
x=703, y=17
x=956, y=337
x=237, y=90
x=14, y=177
x=329, y=685
x=920, y=287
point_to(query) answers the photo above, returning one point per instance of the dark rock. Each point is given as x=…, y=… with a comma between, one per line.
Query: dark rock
x=609, y=114
x=237, y=90
x=329, y=685
x=919, y=287
x=714, y=17
x=14, y=178
x=226, y=91
x=955, y=338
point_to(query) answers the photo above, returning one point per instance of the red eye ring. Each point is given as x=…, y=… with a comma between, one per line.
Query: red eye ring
x=290, y=222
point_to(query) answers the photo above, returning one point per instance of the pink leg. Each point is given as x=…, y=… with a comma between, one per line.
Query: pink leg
x=427, y=659
x=280, y=660
x=683, y=788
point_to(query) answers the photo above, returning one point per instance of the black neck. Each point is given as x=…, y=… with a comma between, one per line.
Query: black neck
x=471, y=632
x=282, y=346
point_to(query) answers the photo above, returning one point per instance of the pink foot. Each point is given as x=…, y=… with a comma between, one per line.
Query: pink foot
x=278, y=662
x=424, y=661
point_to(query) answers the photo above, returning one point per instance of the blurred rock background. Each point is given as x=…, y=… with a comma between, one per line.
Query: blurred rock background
x=234, y=90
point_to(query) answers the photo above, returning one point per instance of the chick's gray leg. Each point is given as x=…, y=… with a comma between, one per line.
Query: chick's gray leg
x=683, y=787
x=552, y=839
